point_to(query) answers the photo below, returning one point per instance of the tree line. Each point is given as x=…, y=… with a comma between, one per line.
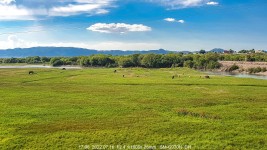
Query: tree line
x=196, y=61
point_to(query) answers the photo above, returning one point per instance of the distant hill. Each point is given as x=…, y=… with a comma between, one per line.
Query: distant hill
x=72, y=51
x=45, y=51
x=68, y=52
x=217, y=50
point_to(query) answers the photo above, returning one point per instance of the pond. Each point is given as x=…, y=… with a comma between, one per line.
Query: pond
x=38, y=66
x=238, y=75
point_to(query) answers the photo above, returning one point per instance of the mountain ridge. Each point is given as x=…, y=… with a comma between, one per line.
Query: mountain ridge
x=72, y=51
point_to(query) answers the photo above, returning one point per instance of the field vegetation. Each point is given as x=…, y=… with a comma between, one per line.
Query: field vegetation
x=67, y=109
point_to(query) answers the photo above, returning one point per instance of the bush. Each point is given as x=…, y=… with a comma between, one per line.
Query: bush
x=56, y=62
x=256, y=70
x=126, y=62
x=84, y=61
x=188, y=64
x=213, y=65
x=232, y=68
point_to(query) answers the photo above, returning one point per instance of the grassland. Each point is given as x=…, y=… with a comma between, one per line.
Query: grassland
x=67, y=109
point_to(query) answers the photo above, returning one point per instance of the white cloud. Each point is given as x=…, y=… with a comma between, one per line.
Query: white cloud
x=174, y=20
x=125, y=46
x=118, y=28
x=14, y=13
x=6, y=2
x=179, y=4
x=14, y=42
x=90, y=7
x=170, y=19
x=212, y=3
x=76, y=7
x=181, y=21
x=9, y=11
x=110, y=45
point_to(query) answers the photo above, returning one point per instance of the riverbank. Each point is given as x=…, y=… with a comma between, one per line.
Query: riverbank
x=243, y=66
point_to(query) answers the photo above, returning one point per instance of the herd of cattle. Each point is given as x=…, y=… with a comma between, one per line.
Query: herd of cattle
x=115, y=71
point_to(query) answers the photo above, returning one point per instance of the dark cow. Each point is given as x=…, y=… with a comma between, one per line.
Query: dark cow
x=115, y=71
x=31, y=72
x=172, y=77
x=122, y=75
x=207, y=77
x=63, y=68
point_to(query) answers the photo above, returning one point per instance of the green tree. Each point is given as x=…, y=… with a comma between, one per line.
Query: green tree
x=151, y=61
x=188, y=63
x=45, y=59
x=202, y=51
x=126, y=62
x=56, y=61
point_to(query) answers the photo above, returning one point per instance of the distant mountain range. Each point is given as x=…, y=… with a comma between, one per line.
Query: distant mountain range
x=70, y=51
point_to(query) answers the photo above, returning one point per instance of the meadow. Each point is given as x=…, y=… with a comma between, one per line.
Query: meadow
x=77, y=109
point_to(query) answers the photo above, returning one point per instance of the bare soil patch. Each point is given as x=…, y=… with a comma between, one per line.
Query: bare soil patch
x=243, y=66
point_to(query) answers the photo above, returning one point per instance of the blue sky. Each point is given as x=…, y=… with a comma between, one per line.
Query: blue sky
x=134, y=24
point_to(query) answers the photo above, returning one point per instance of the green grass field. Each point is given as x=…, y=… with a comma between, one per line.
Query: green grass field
x=75, y=109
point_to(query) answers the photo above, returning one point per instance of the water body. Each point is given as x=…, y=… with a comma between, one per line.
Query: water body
x=38, y=66
x=238, y=75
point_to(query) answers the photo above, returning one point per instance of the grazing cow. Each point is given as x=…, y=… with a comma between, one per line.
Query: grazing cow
x=115, y=71
x=31, y=72
x=63, y=68
x=172, y=77
x=122, y=75
x=207, y=77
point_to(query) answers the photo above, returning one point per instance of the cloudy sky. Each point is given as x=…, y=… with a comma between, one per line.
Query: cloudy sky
x=134, y=24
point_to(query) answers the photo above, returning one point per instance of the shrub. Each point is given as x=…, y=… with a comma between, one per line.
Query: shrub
x=256, y=70
x=126, y=62
x=188, y=64
x=232, y=68
x=56, y=62
x=213, y=65
x=250, y=70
